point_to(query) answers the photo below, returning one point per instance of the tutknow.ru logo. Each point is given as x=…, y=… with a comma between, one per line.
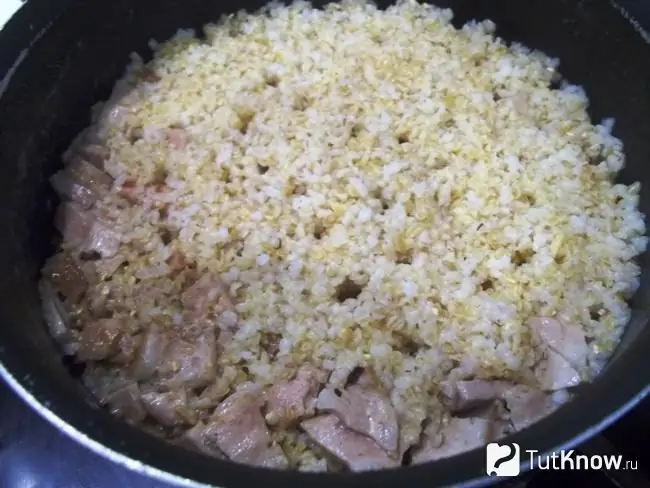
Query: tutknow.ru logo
x=505, y=460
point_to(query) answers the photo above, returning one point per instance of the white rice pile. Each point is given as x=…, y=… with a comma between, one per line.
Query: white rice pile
x=433, y=167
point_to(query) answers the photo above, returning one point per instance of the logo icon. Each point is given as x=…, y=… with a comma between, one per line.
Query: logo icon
x=502, y=459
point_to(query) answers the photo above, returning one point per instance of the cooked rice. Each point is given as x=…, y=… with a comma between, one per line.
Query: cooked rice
x=429, y=173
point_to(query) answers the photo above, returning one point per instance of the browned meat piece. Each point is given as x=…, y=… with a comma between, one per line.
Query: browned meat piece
x=126, y=403
x=564, y=349
x=466, y=395
x=100, y=339
x=68, y=188
x=129, y=191
x=103, y=240
x=107, y=267
x=237, y=429
x=192, y=365
x=80, y=229
x=56, y=317
x=365, y=409
x=81, y=182
x=127, y=347
x=568, y=340
x=73, y=223
x=150, y=75
x=169, y=408
x=555, y=373
x=458, y=435
x=527, y=405
x=178, y=138
x=206, y=291
x=211, y=396
x=95, y=154
x=89, y=175
x=358, y=452
x=66, y=276
x=195, y=437
x=177, y=261
x=291, y=400
x=151, y=353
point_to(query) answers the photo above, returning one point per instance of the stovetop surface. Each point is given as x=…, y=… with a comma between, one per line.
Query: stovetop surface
x=33, y=454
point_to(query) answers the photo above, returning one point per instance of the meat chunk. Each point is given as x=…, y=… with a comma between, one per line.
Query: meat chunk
x=211, y=396
x=73, y=223
x=358, y=452
x=458, y=435
x=81, y=182
x=83, y=231
x=125, y=402
x=66, y=276
x=89, y=175
x=177, y=137
x=461, y=396
x=527, y=405
x=192, y=365
x=95, y=154
x=555, y=373
x=103, y=240
x=177, y=261
x=151, y=353
x=56, y=317
x=564, y=349
x=195, y=437
x=100, y=339
x=209, y=295
x=169, y=408
x=68, y=188
x=364, y=409
x=293, y=399
x=567, y=340
x=237, y=429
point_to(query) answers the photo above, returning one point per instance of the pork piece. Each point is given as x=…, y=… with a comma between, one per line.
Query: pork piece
x=237, y=429
x=56, y=317
x=555, y=373
x=567, y=340
x=210, y=295
x=458, y=435
x=364, y=408
x=527, y=405
x=177, y=261
x=195, y=437
x=151, y=352
x=67, y=188
x=95, y=154
x=211, y=396
x=82, y=230
x=66, y=276
x=358, y=452
x=89, y=146
x=192, y=365
x=169, y=408
x=100, y=339
x=460, y=396
x=81, y=182
x=292, y=400
x=178, y=138
x=128, y=346
x=89, y=175
x=565, y=352
x=126, y=403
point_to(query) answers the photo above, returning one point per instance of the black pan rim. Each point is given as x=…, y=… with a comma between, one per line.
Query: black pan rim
x=105, y=435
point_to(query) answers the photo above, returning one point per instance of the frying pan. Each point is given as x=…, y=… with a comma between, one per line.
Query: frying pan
x=61, y=56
